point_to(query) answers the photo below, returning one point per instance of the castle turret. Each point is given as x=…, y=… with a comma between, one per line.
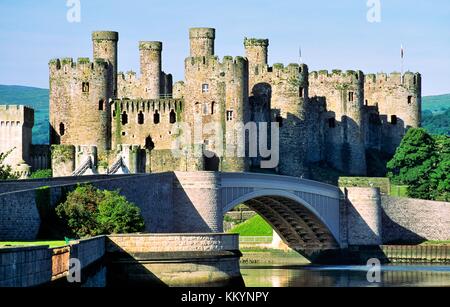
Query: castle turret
x=344, y=96
x=16, y=123
x=256, y=51
x=279, y=94
x=398, y=99
x=216, y=97
x=202, y=41
x=288, y=105
x=105, y=47
x=80, y=112
x=151, y=66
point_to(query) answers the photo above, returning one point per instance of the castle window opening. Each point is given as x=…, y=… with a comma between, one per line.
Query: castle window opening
x=394, y=119
x=149, y=145
x=100, y=105
x=62, y=129
x=301, y=92
x=213, y=107
x=205, y=88
x=410, y=99
x=279, y=120
x=140, y=118
x=85, y=87
x=351, y=96
x=124, y=118
x=332, y=123
x=172, y=117
x=229, y=115
x=156, y=118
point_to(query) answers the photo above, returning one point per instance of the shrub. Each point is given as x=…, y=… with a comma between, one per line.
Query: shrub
x=6, y=170
x=88, y=211
x=41, y=174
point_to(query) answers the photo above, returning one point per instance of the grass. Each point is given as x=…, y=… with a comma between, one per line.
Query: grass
x=435, y=243
x=33, y=243
x=399, y=190
x=256, y=226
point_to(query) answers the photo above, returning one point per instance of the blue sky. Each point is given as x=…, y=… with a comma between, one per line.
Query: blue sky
x=333, y=34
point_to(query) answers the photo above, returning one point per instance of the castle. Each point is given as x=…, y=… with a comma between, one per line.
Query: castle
x=105, y=121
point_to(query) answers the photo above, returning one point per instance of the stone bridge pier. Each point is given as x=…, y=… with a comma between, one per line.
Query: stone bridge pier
x=310, y=217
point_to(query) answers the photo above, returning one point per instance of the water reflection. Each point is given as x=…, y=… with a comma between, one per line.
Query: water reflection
x=344, y=276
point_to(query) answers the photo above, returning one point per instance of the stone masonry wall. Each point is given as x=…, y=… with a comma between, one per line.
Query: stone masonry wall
x=19, y=212
x=25, y=266
x=172, y=243
x=414, y=220
x=363, y=216
x=16, y=123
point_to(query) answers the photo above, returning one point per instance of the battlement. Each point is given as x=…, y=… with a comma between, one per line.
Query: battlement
x=147, y=45
x=19, y=114
x=213, y=62
x=248, y=42
x=105, y=35
x=337, y=75
x=128, y=76
x=408, y=78
x=208, y=33
x=164, y=105
x=81, y=63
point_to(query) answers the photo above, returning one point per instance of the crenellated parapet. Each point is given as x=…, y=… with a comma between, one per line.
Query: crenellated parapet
x=79, y=101
x=16, y=123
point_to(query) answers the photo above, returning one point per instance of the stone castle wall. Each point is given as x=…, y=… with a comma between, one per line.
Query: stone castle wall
x=323, y=116
x=344, y=137
x=80, y=112
x=16, y=123
x=215, y=94
x=398, y=99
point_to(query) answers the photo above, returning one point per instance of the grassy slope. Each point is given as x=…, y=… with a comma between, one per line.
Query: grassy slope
x=35, y=243
x=256, y=226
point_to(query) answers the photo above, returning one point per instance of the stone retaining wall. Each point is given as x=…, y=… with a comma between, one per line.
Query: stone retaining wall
x=414, y=220
x=25, y=266
x=38, y=265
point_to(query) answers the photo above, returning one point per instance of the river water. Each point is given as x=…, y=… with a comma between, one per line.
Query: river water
x=345, y=276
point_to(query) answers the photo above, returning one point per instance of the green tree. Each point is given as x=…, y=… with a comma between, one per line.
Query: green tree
x=117, y=215
x=440, y=177
x=79, y=211
x=413, y=163
x=6, y=170
x=88, y=211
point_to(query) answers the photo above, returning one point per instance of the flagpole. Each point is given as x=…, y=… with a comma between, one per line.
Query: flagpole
x=402, y=53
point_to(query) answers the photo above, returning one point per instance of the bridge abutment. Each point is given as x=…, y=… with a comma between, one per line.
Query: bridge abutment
x=362, y=216
x=197, y=202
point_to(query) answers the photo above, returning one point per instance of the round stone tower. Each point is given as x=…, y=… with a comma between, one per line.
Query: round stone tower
x=202, y=41
x=256, y=51
x=151, y=66
x=105, y=47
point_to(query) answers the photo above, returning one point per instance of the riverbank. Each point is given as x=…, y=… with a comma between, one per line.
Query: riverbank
x=427, y=253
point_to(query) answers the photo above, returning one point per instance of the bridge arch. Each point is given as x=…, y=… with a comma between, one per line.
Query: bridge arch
x=305, y=214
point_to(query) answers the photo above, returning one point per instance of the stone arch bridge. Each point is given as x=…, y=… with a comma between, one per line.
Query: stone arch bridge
x=309, y=216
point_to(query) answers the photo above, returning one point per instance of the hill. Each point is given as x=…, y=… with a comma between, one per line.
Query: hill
x=37, y=98
x=436, y=104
